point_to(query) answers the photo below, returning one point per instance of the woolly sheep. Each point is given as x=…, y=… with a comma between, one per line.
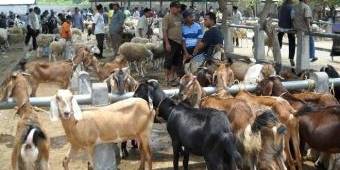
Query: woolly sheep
x=57, y=48
x=3, y=38
x=135, y=52
x=140, y=40
x=44, y=40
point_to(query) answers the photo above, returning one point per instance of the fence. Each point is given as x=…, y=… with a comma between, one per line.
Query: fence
x=302, y=52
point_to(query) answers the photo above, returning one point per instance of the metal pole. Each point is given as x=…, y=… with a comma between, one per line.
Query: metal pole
x=86, y=99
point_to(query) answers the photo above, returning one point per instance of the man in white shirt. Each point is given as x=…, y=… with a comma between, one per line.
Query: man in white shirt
x=98, y=23
x=33, y=28
x=236, y=19
x=136, y=13
x=143, y=25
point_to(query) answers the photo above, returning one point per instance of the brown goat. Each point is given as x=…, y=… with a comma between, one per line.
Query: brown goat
x=124, y=120
x=242, y=120
x=224, y=76
x=190, y=90
x=104, y=70
x=59, y=72
x=321, y=99
x=120, y=81
x=31, y=149
x=286, y=114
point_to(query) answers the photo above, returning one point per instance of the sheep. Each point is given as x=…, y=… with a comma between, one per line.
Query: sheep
x=3, y=39
x=135, y=53
x=31, y=148
x=158, y=52
x=57, y=49
x=124, y=120
x=140, y=40
x=76, y=32
x=43, y=42
x=15, y=35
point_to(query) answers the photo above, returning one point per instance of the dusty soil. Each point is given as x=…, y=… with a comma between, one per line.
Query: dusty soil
x=160, y=141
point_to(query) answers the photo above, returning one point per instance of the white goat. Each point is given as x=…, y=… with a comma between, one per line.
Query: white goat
x=124, y=120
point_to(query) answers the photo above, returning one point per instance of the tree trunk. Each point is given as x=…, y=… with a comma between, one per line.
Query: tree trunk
x=270, y=30
x=223, y=7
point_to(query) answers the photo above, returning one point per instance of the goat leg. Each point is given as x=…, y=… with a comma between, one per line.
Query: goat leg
x=290, y=160
x=146, y=150
x=185, y=159
x=71, y=152
x=176, y=150
x=125, y=153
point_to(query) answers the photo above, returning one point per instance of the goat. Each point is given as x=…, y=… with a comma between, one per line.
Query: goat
x=224, y=76
x=31, y=148
x=203, y=132
x=190, y=90
x=243, y=120
x=286, y=115
x=332, y=73
x=120, y=81
x=258, y=72
x=127, y=119
x=60, y=72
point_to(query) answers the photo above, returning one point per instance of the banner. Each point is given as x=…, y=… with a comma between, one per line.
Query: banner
x=17, y=2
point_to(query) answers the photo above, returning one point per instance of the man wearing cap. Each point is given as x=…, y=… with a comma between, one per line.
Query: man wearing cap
x=191, y=33
x=116, y=26
x=172, y=37
x=143, y=24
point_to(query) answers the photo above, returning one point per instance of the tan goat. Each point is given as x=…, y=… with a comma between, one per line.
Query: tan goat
x=31, y=148
x=224, y=76
x=190, y=90
x=124, y=120
x=286, y=114
x=120, y=81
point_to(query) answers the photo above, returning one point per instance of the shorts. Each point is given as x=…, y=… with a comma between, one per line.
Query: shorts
x=175, y=56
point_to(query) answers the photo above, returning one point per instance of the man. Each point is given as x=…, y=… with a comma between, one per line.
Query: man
x=302, y=19
x=211, y=37
x=143, y=25
x=285, y=24
x=116, y=27
x=136, y=14
x=172, y=37
x=110, y=13
x=33, y=28
x=191, y=32
x=52, y=23
x=236, y=19
x=98, y=21
x=77, y=19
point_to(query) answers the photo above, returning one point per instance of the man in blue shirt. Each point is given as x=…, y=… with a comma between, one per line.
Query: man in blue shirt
x=191, y=33
x=116, y=26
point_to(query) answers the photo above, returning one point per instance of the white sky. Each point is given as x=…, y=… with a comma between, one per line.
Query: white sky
x=16, y=2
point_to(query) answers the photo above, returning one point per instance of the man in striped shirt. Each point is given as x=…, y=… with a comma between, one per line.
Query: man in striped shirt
x=191, y=33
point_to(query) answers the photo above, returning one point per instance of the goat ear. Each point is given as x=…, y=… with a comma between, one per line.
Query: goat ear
x=54, y=111
x=76, y=109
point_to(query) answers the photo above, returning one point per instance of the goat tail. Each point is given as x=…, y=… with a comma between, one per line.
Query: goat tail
x=229, y=146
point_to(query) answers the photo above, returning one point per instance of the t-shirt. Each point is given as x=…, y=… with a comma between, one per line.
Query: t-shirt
x=285, y=20
x=299, y=15
x=98, y=20
x=172, y=25
x=117, y=21
x=142, y=24
x=211, y=38
x=110, y=13
x=65, y=31
x=237, y=17
x=191, y=34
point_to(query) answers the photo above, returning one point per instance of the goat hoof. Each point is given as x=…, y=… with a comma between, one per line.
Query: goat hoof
x=89, y=166
x=319, y=165
x=125, y=154
x=65, y=166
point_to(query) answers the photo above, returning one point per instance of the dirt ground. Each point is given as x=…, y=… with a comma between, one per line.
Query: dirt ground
x=160, y=141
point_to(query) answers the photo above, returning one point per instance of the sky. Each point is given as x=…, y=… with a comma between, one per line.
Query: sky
x=14, y=2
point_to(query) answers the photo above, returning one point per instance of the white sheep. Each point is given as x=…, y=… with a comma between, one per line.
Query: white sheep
x=124, y=120
x=135, y=53
x=57, y=49
x=43, y=42
x=140, y=40
x=158, y=52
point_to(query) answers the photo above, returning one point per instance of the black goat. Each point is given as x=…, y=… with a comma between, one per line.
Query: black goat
x=203, y=132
